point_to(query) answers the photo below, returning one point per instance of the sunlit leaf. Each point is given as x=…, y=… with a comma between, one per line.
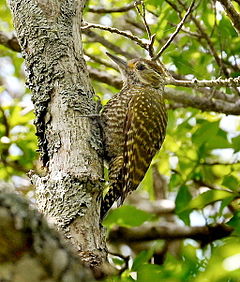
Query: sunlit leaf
x=208, y=197
x=127, y=216
x=207, y=131
x=236, y=143
x=235, y=222
x=141, y=259
x=182, y=199
x=231, y=182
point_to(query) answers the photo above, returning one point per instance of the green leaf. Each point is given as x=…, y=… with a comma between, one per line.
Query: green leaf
x=235, y=222
x=118, y=261
x=205, y=132
x=175, y=180
x=225, y=203
x=141, y=259
x=182, y=63
x=149, y=272
x=182, y=199
x=230, y=182
x=236, y=143
x=127, y=216
x=157, y=3
x=208, y=197
x=219, y=141
x=227, y=29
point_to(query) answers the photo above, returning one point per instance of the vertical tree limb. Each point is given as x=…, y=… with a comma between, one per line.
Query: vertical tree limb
x=69, y=141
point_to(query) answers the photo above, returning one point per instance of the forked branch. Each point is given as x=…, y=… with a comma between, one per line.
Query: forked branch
x=151, y=37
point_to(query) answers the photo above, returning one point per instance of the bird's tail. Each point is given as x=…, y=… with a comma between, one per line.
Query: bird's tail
x=115, y=183
x=112, y=196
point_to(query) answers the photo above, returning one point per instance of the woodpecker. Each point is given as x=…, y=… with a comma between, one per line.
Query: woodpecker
x=134, y=126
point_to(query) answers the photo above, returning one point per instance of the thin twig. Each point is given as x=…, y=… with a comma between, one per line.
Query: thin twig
x=105, y=77
x=150, y=46
x=179, y=26
x=10, y=41
x=175, y=7
x=213, y=51
x=232, y=13
x=202, y=32
x=109, y=45
x=113, y=10
x=143, y=16
x=231, y=98
x=219, y=163
x=182, y=98
x=208, y=40
x=151, y=37
x=193, y=34
x=117, y=31
x=100, y=61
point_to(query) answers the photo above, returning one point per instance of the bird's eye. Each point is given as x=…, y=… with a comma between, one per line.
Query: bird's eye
x=140, y=67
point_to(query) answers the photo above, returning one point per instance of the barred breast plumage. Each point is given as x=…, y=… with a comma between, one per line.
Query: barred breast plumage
x=134, y=126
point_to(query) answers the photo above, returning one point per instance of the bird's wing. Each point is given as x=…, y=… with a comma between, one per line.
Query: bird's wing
x=144, y=131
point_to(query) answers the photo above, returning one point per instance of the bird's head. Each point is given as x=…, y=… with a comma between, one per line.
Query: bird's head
x=141, y=71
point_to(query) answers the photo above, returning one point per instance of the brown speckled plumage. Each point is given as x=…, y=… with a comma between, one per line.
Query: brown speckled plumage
x=134, y=125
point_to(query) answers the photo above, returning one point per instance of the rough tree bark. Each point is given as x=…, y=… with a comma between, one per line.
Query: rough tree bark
x=70, y=190
x=29, y=250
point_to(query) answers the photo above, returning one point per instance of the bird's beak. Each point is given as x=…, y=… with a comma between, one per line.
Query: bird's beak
x=120, y=62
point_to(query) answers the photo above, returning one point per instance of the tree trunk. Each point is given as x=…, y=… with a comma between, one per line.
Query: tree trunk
x=30, y=251
x=69, y=192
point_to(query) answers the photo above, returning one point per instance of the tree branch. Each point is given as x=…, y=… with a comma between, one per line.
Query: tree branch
x=98, y=60
x=202, y=103
x=69, y=193
x=232, y=13
x=161, y=207
x=105, y=77
x=113, y=10
x=153, y=231
x=195, y=83
x=117, y=31
x=217, y=94
x=10, y=41
x=220, y=103
x=26, y=239
x=207, y=39
x=151, y=37
x=173, y=35
x=109, y=45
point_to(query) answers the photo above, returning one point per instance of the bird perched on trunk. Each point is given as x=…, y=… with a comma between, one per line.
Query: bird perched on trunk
x=134, y=125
